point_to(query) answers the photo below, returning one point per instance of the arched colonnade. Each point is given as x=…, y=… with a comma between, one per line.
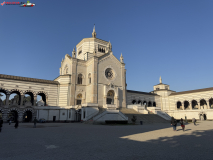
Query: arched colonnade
x=147, y=103
x=195, y=104
x=21, y=94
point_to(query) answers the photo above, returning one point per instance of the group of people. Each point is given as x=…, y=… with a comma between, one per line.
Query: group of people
x=16, y=123
x=182, y=124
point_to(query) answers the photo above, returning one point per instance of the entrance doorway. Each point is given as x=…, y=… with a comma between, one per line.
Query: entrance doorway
x=13, y=115
x=78, y=102
x=110, y=97
x=204, y=117
x=27, y=117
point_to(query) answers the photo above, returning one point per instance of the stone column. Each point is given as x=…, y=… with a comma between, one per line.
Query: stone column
x=73, y=82
x=94, y=80
x=183, y=106
x=198, y=104
x=34, y=101
x=207, y=107
x=22, y=99
x=190, y=105
x=7, y=99
x=116, y=101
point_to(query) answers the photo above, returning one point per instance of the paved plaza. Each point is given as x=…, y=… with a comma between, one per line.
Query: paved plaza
x=79, y=141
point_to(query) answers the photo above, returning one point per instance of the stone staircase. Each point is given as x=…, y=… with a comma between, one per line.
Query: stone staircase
x=90, y=121
x=146, y=118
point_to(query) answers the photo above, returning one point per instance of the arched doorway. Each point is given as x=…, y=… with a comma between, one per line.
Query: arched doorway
x=79, y=99
x=144, y=103
x=133, y=101
x=202, y=104
x=154, y=104
x=110, y=97
x=179, y=105
x=204, y=117
x=194, y=104
x=149, y=104
x=139, y=102
x=13, y=115
x=27, y=117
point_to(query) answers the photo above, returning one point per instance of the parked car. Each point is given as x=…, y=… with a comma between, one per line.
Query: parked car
x=42, y=120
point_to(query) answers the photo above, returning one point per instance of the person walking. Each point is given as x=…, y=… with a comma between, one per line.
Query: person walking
x=1, y=123
x=173, y=123
x=182, y=124
x=16, y=124
x=9, y=121
x=194, y=121
x=35, y=121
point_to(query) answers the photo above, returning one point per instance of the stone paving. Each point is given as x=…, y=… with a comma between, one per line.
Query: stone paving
x=77, y=141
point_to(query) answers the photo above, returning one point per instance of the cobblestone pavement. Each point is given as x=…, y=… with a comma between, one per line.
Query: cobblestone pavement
x=76, y=141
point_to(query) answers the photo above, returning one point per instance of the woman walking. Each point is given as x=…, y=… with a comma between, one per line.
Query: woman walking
x=173, y=123
x=182, y=124
x=16, y=124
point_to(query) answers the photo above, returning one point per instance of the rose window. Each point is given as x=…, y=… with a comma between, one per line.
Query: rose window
x=109, y=73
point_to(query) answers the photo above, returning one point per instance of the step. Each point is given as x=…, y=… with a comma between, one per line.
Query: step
x=146, y=118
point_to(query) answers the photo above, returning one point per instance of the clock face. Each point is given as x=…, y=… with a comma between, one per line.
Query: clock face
x=109, y=73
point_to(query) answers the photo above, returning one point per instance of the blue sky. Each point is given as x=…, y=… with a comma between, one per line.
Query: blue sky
x=168, y=38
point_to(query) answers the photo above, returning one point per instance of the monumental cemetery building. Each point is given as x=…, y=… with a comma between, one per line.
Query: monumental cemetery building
x=92, y=86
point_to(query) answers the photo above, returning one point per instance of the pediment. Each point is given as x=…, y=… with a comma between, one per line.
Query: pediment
x=110, y=57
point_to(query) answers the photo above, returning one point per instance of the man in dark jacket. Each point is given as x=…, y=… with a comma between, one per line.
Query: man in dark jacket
x=194, y=121
x=35, y=121
x=173, y=123
x=1, y=123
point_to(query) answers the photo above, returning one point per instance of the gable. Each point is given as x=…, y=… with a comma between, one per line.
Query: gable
x=109, y=63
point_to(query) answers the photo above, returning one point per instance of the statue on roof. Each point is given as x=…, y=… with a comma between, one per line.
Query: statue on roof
x=94, y=33
x=109, y=47
x=121, y=58
x=160, y=79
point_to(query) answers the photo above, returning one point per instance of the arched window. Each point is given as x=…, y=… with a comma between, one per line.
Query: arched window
x=179, y=104
x=186, y=105
x=203, y=103
x=211, y=103
x=194, y=104
x=89, y=78
x=154, y=104
x=134, y=102
x=80, y=77
x=149, y=104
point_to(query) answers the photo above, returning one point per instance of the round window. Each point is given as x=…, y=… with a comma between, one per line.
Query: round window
x=109, y=73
